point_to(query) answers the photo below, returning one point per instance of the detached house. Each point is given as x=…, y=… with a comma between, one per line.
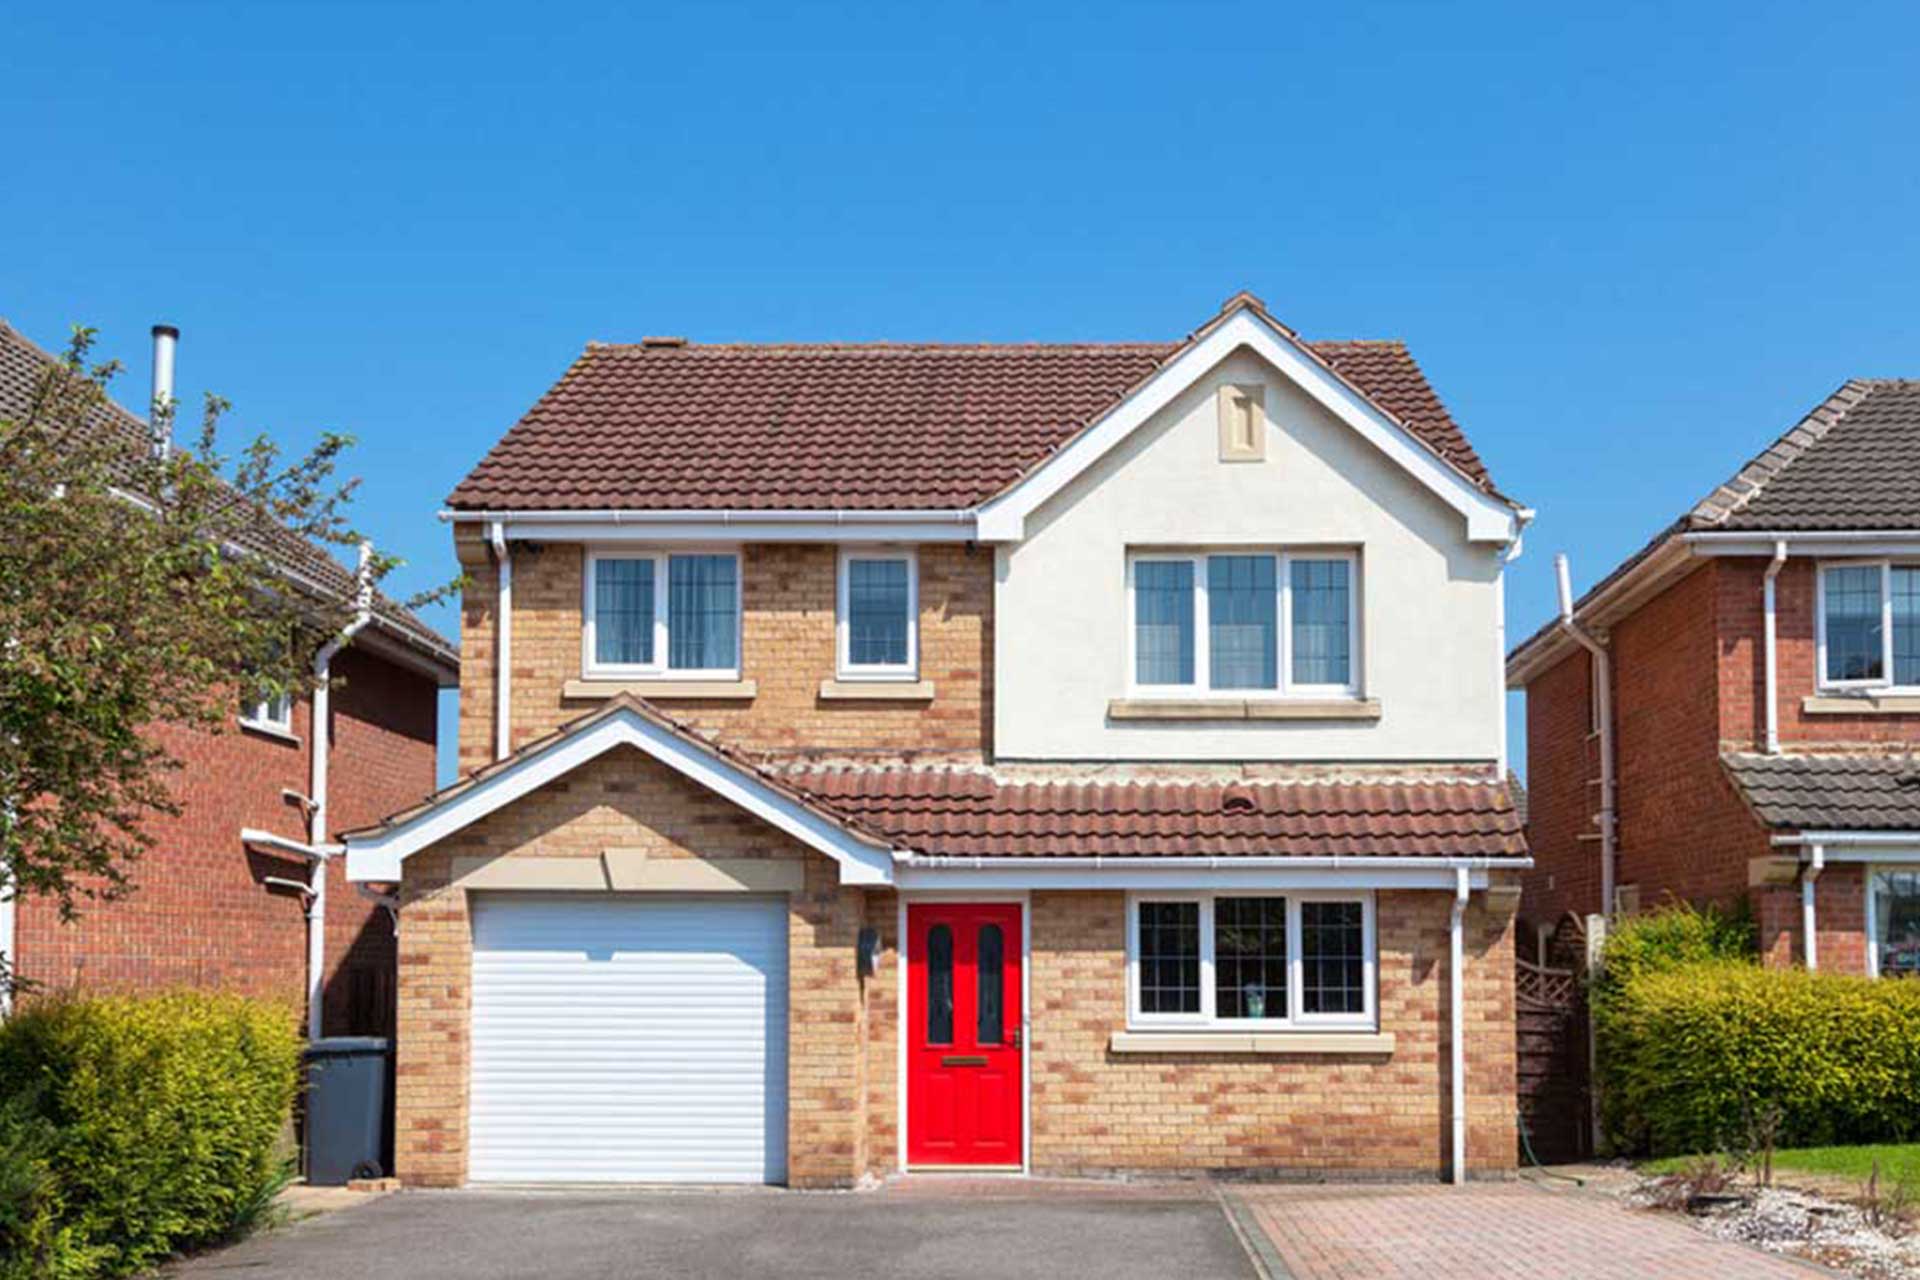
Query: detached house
x=238, y=891
x=1734, y=711
x=1073, y=758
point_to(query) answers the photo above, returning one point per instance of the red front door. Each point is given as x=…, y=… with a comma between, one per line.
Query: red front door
x=964, y=1088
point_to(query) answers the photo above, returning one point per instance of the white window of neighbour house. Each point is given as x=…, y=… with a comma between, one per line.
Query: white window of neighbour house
x=1869, y=625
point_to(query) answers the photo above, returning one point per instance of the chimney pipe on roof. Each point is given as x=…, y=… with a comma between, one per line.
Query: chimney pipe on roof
x=160, y=409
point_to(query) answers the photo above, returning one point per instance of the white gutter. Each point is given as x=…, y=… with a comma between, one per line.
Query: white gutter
x=502, y=642
x=1809, y=876
x=1331, y=861
x=1603, y=697
x=317, y=788
x=730, y=515
x=1767, y=596
x=1872, y=839
x=1457, y=1030
x=1837, y=537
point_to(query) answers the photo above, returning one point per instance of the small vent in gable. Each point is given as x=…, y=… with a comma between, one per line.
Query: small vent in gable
x=1243, y=423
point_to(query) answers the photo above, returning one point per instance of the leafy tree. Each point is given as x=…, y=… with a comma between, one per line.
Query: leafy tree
x=138, y=588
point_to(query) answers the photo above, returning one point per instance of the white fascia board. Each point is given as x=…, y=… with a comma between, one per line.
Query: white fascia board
x=1865, y=542
x=1196, y=873
x=942, y=525
x=378, y=857
x=1858, y=846
x=1488, y=518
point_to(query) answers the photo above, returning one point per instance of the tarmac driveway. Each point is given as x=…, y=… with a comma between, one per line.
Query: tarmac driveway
x=917, y=1235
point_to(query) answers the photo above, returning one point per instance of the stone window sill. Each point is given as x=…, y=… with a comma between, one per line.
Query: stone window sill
x=1860, y=704
x=876, y=690
x=273, y=731
x=663, y=690
x=1244, y=709
x=1267, y=1042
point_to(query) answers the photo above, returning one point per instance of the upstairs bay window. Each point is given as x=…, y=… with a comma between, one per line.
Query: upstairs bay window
x=659, y=614
x=1244, y=622
x=1251, y=962
x=1869, y=627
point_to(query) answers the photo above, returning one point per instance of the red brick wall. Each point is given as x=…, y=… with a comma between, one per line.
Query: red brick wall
x=1840, y=921
x=1562, y=760
x=1684, y=833
x=1680, y=672
x=199, y=914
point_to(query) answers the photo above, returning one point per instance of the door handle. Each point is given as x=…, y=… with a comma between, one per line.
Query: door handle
x=963, y=1060
x=1014, y=1043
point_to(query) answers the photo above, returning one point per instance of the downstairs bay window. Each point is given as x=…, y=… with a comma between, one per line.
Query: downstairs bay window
x=1251, y=961
x=1869, y=627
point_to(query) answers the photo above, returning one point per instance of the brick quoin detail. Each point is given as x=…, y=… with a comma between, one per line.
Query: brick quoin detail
x=199, y=914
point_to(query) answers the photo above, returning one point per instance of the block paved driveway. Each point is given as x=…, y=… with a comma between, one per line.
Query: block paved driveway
x=1486, y=1232
x=1003, y=1229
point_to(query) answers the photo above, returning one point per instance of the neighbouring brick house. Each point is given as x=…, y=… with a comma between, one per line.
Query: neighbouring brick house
x=1075, y=758
x=1756, y=669
x=217, y=903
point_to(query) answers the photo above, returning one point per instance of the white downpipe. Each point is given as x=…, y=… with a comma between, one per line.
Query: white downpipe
x=1767, y=595
x=1810, y=876
x=502, y=644
x=1457, y=1029
x=317, y=790
x=1603, y=699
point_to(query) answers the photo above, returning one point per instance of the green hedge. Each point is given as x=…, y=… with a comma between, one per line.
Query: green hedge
x=136, y=1127
x=1699, y=1045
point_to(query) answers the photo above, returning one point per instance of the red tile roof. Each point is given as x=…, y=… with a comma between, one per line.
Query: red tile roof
x=666, y=424
x=973, y=813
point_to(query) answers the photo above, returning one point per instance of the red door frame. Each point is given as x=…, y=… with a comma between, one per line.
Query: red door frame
x=963, y=1099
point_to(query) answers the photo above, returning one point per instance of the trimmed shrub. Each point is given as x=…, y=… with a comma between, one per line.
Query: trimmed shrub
x=1670, y=937
x=156, y=1120
x=1726, y=1055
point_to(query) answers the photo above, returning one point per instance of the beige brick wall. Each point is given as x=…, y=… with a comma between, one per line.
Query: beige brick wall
x=1098, y=1112
x=626, y=800
x=787, y=649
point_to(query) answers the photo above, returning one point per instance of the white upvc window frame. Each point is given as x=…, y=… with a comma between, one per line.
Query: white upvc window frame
x=1285, y=686
x=272, y=714
x=844, y=666
x=1295, y=1020
x=1886, y=566
x=658, y=669
x=1872, y=870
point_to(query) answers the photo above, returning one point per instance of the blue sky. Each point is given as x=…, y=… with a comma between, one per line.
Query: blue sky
x=1629, y=243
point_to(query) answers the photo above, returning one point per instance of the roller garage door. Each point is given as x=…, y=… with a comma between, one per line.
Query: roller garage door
x=627, y=1038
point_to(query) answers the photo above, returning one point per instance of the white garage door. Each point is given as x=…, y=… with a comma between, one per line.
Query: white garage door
x=628, y=1039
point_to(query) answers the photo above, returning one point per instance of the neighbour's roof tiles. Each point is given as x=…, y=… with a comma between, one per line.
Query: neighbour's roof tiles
x=974, y=813
x=1853, y=463
x=1829, y=792
x=22, y=366
x=671, y=425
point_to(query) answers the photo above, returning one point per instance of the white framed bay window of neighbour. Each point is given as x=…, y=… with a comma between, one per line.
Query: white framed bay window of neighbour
x=1240, y=623
x=1290, y=960
x=662, y=614
x=1869, y=625
x=877, y=624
